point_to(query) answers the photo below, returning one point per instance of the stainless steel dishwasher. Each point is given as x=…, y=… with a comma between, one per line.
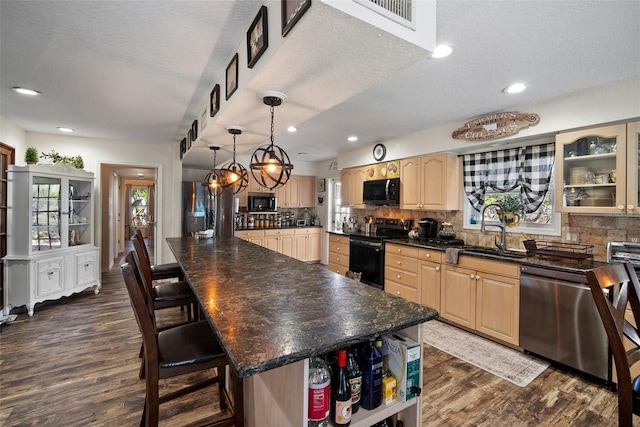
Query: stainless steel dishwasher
x=559, y=321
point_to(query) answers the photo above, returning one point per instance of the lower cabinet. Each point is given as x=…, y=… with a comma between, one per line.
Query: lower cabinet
x=338, y=253
x=413, y=273
x=483, y=295
x=300, y=243
x=38, y=278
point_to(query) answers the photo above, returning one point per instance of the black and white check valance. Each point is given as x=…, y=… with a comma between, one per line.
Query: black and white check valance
x=528, y=168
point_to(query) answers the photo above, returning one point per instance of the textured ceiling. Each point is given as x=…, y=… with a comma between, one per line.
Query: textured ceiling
x=142, y=70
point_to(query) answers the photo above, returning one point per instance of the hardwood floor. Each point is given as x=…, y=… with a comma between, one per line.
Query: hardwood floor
x=75, y=363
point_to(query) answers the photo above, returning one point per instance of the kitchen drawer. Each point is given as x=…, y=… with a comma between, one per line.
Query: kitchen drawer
x=339, y=259
x=401, y=262
x=277, y=232
x=306, y=231
x=406, y=251
x=430, y=255
x=342, y=239
x=339, y=248
x=249, y=234
x=337, y=268
x=400, y=276
x=86, y=269
x=49, y=277
x=402, y=291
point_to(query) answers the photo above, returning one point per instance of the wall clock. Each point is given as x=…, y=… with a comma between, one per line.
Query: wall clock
x=379, y=151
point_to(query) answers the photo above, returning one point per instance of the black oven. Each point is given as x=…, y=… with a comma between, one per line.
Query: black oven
x=366, y=256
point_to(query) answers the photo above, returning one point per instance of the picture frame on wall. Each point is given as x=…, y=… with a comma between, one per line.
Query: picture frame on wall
x=232, y=76
x=292, y=11
x=189, y=139
x=183, y=147
x=257, y=37
x=214, y=101
x=194, y=130
x=203, y=120
x=321, y=185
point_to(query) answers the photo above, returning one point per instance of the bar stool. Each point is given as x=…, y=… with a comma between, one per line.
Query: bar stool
x=615, y=287
x=180, y=350
x=158, y=271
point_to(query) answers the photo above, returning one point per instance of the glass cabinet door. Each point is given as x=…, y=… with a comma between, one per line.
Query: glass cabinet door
x=591, y=170
x=46, y=227
x=79, y=212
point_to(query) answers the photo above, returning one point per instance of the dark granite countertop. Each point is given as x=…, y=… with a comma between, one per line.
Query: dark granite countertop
x=293, y=227
x=570, y=266
x=270, y=310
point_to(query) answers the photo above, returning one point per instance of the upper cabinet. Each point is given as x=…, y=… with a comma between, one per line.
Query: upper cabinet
x=298, y=192
x=351, y=186
x=430, y=182
x=597, y=169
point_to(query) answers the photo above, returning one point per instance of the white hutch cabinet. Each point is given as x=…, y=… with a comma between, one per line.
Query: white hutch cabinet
x=50, y=235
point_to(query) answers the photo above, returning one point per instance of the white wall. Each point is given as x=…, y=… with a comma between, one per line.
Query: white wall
x=148, y=154
x=14, y=136
x=609, y=103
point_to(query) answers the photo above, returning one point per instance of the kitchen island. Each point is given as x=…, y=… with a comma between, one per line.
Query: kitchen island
x=272, y=313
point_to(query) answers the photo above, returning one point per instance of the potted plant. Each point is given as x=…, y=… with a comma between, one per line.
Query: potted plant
x=56, y=157
x=31, y=155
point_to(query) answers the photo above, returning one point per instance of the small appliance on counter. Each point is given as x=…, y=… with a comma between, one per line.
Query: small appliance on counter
x=428, y=228
x=624, y=252
x=261, y=202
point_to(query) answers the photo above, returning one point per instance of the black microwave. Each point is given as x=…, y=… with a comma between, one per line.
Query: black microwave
x=381, y=192
x=261, y=203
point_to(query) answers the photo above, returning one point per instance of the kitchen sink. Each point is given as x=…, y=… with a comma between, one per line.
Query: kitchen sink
x=494, y=251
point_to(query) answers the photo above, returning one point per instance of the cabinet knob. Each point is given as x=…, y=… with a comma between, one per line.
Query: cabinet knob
x=630, y=207
x=399, y=277
x=472, y=276
x=399, y=263
x=428, y=255
x=621, y=207
x=438, y=268
x=477, y=277
x=399, y=250
x=398, y=293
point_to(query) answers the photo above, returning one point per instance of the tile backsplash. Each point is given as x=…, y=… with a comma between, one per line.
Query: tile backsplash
x=593, y=230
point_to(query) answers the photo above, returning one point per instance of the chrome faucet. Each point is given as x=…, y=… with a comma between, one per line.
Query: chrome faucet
x=502, y=245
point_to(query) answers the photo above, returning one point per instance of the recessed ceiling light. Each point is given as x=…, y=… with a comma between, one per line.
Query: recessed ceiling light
x=63, y=129
x=442, y=51
x=292, y=129
x=515, y=88
x=25, y=91
x=352, y=139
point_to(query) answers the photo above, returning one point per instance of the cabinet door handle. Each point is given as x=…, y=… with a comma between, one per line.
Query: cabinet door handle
x=398, y=293
x=477, y=277
x=399, y=277
x=472, y=276
x=437, y=268
x=399, y=263
x=630, y=207
x=621, y=207
x=428, y=255
x=399, y=250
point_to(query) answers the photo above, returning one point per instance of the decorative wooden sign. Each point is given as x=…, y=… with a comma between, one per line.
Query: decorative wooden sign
x=494, y=126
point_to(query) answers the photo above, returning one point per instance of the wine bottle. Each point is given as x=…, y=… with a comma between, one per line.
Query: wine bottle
x=355, y=379
x=371, y=365
x=319, y=393
x=341, y=392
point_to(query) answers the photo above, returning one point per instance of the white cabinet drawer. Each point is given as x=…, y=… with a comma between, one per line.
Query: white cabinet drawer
x=86, y=269
x=49, y=278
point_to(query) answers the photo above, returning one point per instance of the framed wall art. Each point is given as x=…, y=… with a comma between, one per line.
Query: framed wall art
x=257, y=37
x=214, y=101
x=194, y=130
x=292, y=11
x=203, y=120
x=321, y=185
x=183, y=147
x=232, y=76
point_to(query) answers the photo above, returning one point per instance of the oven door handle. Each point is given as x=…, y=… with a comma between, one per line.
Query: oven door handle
x=365, y=244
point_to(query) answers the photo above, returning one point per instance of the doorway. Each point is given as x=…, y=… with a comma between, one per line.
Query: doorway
x=117, y=212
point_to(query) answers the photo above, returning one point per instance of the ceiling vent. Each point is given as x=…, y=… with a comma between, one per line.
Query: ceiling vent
x=400, y=11
x=410, y=20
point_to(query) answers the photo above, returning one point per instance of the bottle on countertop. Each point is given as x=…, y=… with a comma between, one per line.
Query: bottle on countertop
x=344, y=224
x=371, y=366
x=355, y=379
x=319, y=393
x=341, y=396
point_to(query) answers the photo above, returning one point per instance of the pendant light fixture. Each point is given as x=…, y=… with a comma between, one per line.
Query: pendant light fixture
x=234, y=176
x=270, y=164
x=213, y=180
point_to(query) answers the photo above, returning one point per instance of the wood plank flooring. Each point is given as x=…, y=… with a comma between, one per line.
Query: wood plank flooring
x=75, y=363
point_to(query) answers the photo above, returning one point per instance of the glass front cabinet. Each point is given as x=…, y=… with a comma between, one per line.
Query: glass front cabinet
x=597, y=170
x=50, y=235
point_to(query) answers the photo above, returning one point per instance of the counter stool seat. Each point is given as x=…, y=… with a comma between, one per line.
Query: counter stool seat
x=158, y=271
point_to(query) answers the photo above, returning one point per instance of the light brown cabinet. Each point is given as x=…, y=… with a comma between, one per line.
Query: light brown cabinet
x=282, y=241
x=482, y=295
x=351, y=186
x=253, y=236
x=413, y=273
x=298, y=192
x=430, y=182
x=338, y=253
x=307, y=244
x=597, y=170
